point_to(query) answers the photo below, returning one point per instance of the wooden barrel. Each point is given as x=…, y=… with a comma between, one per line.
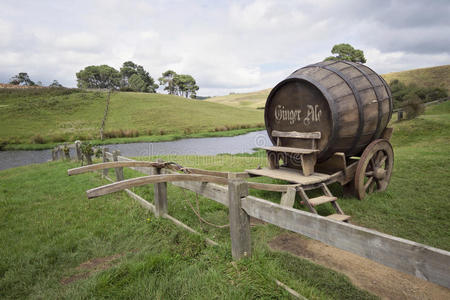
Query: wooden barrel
x=348, y=103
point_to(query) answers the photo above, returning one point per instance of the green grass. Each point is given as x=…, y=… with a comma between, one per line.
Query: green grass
x=425, y=77
x=48, y=228
x=41, y=118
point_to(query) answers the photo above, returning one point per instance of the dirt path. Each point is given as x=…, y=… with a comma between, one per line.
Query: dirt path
x=378, y=279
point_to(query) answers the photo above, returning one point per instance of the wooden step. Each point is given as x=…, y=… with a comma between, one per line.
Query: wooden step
x=339, y=217
x=321, y=200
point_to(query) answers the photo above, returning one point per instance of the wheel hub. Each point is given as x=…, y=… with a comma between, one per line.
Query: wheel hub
x=379, y=173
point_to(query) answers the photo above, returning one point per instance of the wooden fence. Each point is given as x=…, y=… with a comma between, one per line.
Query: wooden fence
x=231, y=190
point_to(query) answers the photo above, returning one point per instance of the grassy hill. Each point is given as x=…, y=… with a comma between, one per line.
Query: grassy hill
x=45, y=116
x=250, y=100
x=58, y=244
x=425, y=77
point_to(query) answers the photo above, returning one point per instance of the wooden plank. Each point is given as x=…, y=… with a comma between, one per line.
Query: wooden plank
x=295, y=134
x=338, y=217
x=218, y=193
x=290, y=150
x=308, y=163
x=114, y=164
x=321, y=200
x=422, y=261
x=291, y=175
x=139, y=181
x=212, y=191
x=215, y=173
x=239, y=220
x=288, y=198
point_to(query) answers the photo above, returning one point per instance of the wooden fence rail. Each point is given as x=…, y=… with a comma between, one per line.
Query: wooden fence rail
x=420, y=260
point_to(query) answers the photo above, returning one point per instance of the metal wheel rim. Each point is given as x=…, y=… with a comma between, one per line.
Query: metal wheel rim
x=374, y=169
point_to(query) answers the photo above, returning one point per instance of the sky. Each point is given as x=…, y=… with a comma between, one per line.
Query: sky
x=227, y=46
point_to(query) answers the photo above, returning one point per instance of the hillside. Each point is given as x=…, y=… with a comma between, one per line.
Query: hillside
x=45, y=116
x=250, y=100
x=425, y=77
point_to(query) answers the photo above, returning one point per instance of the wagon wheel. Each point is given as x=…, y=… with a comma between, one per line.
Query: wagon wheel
x=374, y=168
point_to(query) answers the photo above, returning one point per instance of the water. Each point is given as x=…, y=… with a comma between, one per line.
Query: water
x=201, y=146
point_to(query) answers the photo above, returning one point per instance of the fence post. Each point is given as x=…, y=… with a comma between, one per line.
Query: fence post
x=60, y=153
x=66, y=150
x=54, y=154
x=78, y=150
x=105, y=159
x=239, y=219
x=160, y=193
x=119, y=171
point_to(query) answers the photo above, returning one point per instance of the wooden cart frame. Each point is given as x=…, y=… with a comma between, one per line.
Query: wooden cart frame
x=358, y=175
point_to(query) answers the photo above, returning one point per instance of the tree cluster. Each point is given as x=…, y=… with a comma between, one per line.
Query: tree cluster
x=402, y=93
x=21, y=79
x=179, y=84
x=347, y=52
x=131, y=77
x=24, y=79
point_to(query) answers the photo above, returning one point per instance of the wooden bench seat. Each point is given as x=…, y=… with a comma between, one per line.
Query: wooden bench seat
x=307, y=156
x=290, y=150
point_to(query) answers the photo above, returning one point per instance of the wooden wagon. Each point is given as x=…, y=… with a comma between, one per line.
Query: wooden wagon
x=327, y=122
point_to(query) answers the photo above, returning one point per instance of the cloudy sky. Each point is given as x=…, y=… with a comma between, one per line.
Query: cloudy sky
x=228, y=46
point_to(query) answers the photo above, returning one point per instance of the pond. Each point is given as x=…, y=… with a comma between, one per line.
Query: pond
x=199, y=146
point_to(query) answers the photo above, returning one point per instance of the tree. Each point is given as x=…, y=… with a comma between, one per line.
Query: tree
x=186, y=85
x=21, y=79
x=129, y=69
x=136, y=83
x=347, y=52
x=55, y=84
x=98, y=77
x=167, y=79
x=179, y=84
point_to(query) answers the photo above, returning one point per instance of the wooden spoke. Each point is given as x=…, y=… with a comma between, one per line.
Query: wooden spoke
x=374, y=168
x=383, y=159
x=368, y=183
x=372, y=163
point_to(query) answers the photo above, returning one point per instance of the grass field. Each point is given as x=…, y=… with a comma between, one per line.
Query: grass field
x=426, y=77
x=49, y=229
x=42, y=117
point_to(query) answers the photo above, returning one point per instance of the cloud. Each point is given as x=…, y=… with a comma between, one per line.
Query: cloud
x=228, y=46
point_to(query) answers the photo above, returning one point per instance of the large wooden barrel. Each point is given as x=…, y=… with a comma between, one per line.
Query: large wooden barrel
x=347, y=102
